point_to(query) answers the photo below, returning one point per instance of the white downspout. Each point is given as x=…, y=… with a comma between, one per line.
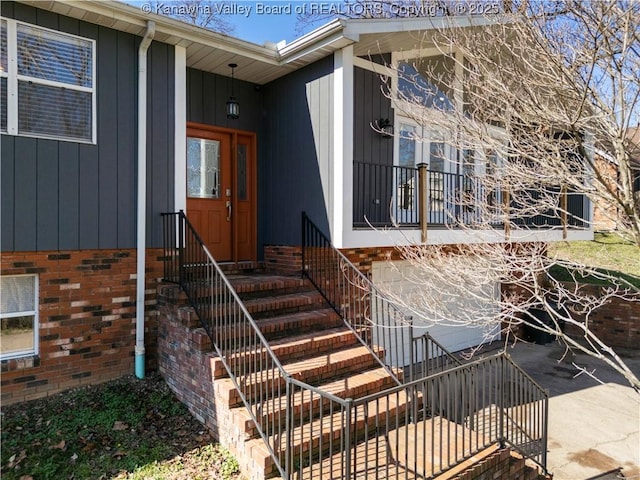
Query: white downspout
x=142, y=196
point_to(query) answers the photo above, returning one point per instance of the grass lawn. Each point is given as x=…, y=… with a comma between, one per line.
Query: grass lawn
x=607, y=251
x=126, y=429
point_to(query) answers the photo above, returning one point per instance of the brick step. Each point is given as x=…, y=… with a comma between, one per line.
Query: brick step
x=242, y=268
x=321, y=435
x=286, y=349
x=309, y=370
x=279, y=328
x=272, y=413
x=274, y=306
x=267, y=285
x=300, y=322
x=266, y=307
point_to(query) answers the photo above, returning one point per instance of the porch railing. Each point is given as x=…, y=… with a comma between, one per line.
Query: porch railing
x=384, y=194
x=424, y=427
x=493, y=397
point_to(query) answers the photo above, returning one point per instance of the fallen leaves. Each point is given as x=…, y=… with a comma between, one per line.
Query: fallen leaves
x=62, y=445
x=119, y=426
x=15, y=460
x=108, y=431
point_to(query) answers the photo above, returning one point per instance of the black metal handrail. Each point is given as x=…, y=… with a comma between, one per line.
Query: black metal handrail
x=236, y=338
x=380, y=325
x=465, y=407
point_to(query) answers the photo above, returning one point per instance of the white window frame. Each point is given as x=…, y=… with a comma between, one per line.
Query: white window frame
x=13, y=77
x=424, y=138
x=34, y=312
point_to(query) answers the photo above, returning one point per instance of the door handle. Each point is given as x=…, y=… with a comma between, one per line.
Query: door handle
x=228, y=211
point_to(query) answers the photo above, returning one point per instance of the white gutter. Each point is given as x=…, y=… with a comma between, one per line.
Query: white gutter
x=142, y=196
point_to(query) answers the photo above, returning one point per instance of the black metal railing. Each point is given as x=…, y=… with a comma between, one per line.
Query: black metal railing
x=378, y=322
x=254, y=369
x=421, y=428
x=438, y=414
x=384, y=195
x=389, y=334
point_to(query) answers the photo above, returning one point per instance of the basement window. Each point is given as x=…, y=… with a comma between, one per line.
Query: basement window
x=47, y=83
x=18, y=316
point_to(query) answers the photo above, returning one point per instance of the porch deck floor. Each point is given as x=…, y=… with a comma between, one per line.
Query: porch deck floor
x=407, y=453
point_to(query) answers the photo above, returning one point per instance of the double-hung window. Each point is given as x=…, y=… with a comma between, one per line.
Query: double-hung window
x=18, y=316
x=47, y=83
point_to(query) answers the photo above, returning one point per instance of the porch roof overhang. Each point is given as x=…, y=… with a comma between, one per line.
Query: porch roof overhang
x=260, y=64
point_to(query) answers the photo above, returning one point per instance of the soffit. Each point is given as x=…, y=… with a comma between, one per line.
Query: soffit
x=206, y=50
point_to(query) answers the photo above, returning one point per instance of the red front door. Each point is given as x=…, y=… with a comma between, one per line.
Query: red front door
x=221, y=191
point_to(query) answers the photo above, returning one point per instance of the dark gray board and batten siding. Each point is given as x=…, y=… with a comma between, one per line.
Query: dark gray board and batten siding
x=370, y=148
x=59, y=195
x=207, y=96
x=296, y=172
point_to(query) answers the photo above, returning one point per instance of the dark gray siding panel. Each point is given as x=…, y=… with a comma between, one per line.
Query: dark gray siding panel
x=289, y=170
x=127, y=129
x=107, y=142
x=64, y=195
x=69, y=196
x=25, y=193
x=47, y=197
x=7, y=198
x=89, y=221
x=370, y=105
x=160, y=139
x=207, y=96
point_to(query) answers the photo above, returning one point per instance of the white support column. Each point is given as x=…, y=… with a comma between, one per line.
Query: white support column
x=180, y=142
x=342, y=201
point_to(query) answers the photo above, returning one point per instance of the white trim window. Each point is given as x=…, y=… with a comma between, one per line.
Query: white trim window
x=18, y=316
x=48, y=83
x=414, y=145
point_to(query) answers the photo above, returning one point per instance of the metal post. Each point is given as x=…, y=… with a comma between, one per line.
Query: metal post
x=303, y=240
x=348, y=448
x=545, y=431
x=423, y=190
x=181, y=247
x=288, y=451
x=563, y=212
x=502, y=402
x=507, y=221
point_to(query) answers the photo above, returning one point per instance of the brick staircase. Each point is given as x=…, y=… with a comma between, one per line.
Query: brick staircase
x=313, y=345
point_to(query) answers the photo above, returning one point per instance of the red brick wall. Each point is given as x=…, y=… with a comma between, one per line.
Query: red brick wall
x=617, y=323
x=363, y=258
x=500, y=465
x=286, y=260
x=86, y=319
x=605, y=216
x=188, y=365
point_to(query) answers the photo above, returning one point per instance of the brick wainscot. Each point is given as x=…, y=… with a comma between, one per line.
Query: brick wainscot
x=87, y=310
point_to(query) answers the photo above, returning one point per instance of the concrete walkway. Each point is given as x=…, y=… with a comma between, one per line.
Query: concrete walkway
x=594, y=427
